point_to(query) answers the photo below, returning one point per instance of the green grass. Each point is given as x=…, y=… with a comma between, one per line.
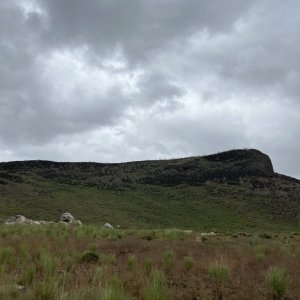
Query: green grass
x=219, y=273
x=277, y=282
x=156, y=288
x=188, y=262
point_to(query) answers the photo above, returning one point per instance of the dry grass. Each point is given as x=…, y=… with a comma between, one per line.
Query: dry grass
x=47, y=261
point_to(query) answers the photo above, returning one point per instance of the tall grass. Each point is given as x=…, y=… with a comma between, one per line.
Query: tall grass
x=157, y=289
x=277, y=281
x=188, y=262
x=169, y=260
x=132, y=262
x=219, y=273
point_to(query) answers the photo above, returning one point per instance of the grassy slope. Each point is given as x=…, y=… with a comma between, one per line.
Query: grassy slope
x=114, y=194
x=206, y=207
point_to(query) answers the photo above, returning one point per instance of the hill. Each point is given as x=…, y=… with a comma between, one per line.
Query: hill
x=232, y=190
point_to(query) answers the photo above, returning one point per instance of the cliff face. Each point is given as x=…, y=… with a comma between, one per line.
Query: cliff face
x=226, y=166
x=251, y=161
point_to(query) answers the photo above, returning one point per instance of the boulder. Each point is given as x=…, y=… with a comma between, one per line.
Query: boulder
x=67, y=218
x=107, y=226
x=78, y=222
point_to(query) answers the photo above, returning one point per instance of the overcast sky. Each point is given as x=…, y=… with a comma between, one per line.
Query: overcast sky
x=110, y=81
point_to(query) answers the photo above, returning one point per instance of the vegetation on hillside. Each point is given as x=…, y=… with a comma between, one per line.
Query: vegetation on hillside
x=229, y=191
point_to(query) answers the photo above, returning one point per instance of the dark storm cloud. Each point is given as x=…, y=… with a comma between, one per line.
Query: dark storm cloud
x=111, y=80
x=137, y=26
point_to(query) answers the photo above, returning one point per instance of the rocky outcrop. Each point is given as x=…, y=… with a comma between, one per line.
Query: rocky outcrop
x=229, y=166
x=68, y=218
x=19, y=219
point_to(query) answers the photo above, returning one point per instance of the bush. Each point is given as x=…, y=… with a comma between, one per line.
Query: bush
x=89, y=257
x=219, y=273
x=265, y=235
x=277, y=282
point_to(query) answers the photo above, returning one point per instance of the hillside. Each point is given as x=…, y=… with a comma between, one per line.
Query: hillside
x=233, y=190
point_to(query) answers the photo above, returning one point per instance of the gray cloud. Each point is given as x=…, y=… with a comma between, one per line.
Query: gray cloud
x=114, y=81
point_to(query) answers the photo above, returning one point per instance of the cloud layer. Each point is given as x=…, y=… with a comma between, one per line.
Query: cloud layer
x=137, y=79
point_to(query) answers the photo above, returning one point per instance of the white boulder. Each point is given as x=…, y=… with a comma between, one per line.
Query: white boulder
x=107, y=226
x=67, y=218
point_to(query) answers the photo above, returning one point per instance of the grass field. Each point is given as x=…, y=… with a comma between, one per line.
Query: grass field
x=57, y=261
x=207, y=207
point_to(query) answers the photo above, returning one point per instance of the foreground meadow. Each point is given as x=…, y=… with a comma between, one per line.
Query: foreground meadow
x=68, y=262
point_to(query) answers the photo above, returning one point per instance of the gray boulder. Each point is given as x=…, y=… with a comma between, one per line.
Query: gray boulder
x=107, y=226
x=67, y=218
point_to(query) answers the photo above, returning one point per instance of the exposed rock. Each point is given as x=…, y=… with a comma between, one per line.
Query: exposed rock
x=20, y=287
x=207, y=233
x=18, y=219
x=107, y=226
x=67, y=218
x=225, y=167
x=78, y=222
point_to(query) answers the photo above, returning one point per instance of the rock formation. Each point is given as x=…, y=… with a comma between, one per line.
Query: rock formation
x=68, y=218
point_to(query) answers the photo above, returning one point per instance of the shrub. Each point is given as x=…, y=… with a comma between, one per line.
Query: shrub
x=219, y=273
x=157, y=288
x=188, y=262
x=277, y=282
x=89, y=257
x=204, y=239
x=265, y=235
